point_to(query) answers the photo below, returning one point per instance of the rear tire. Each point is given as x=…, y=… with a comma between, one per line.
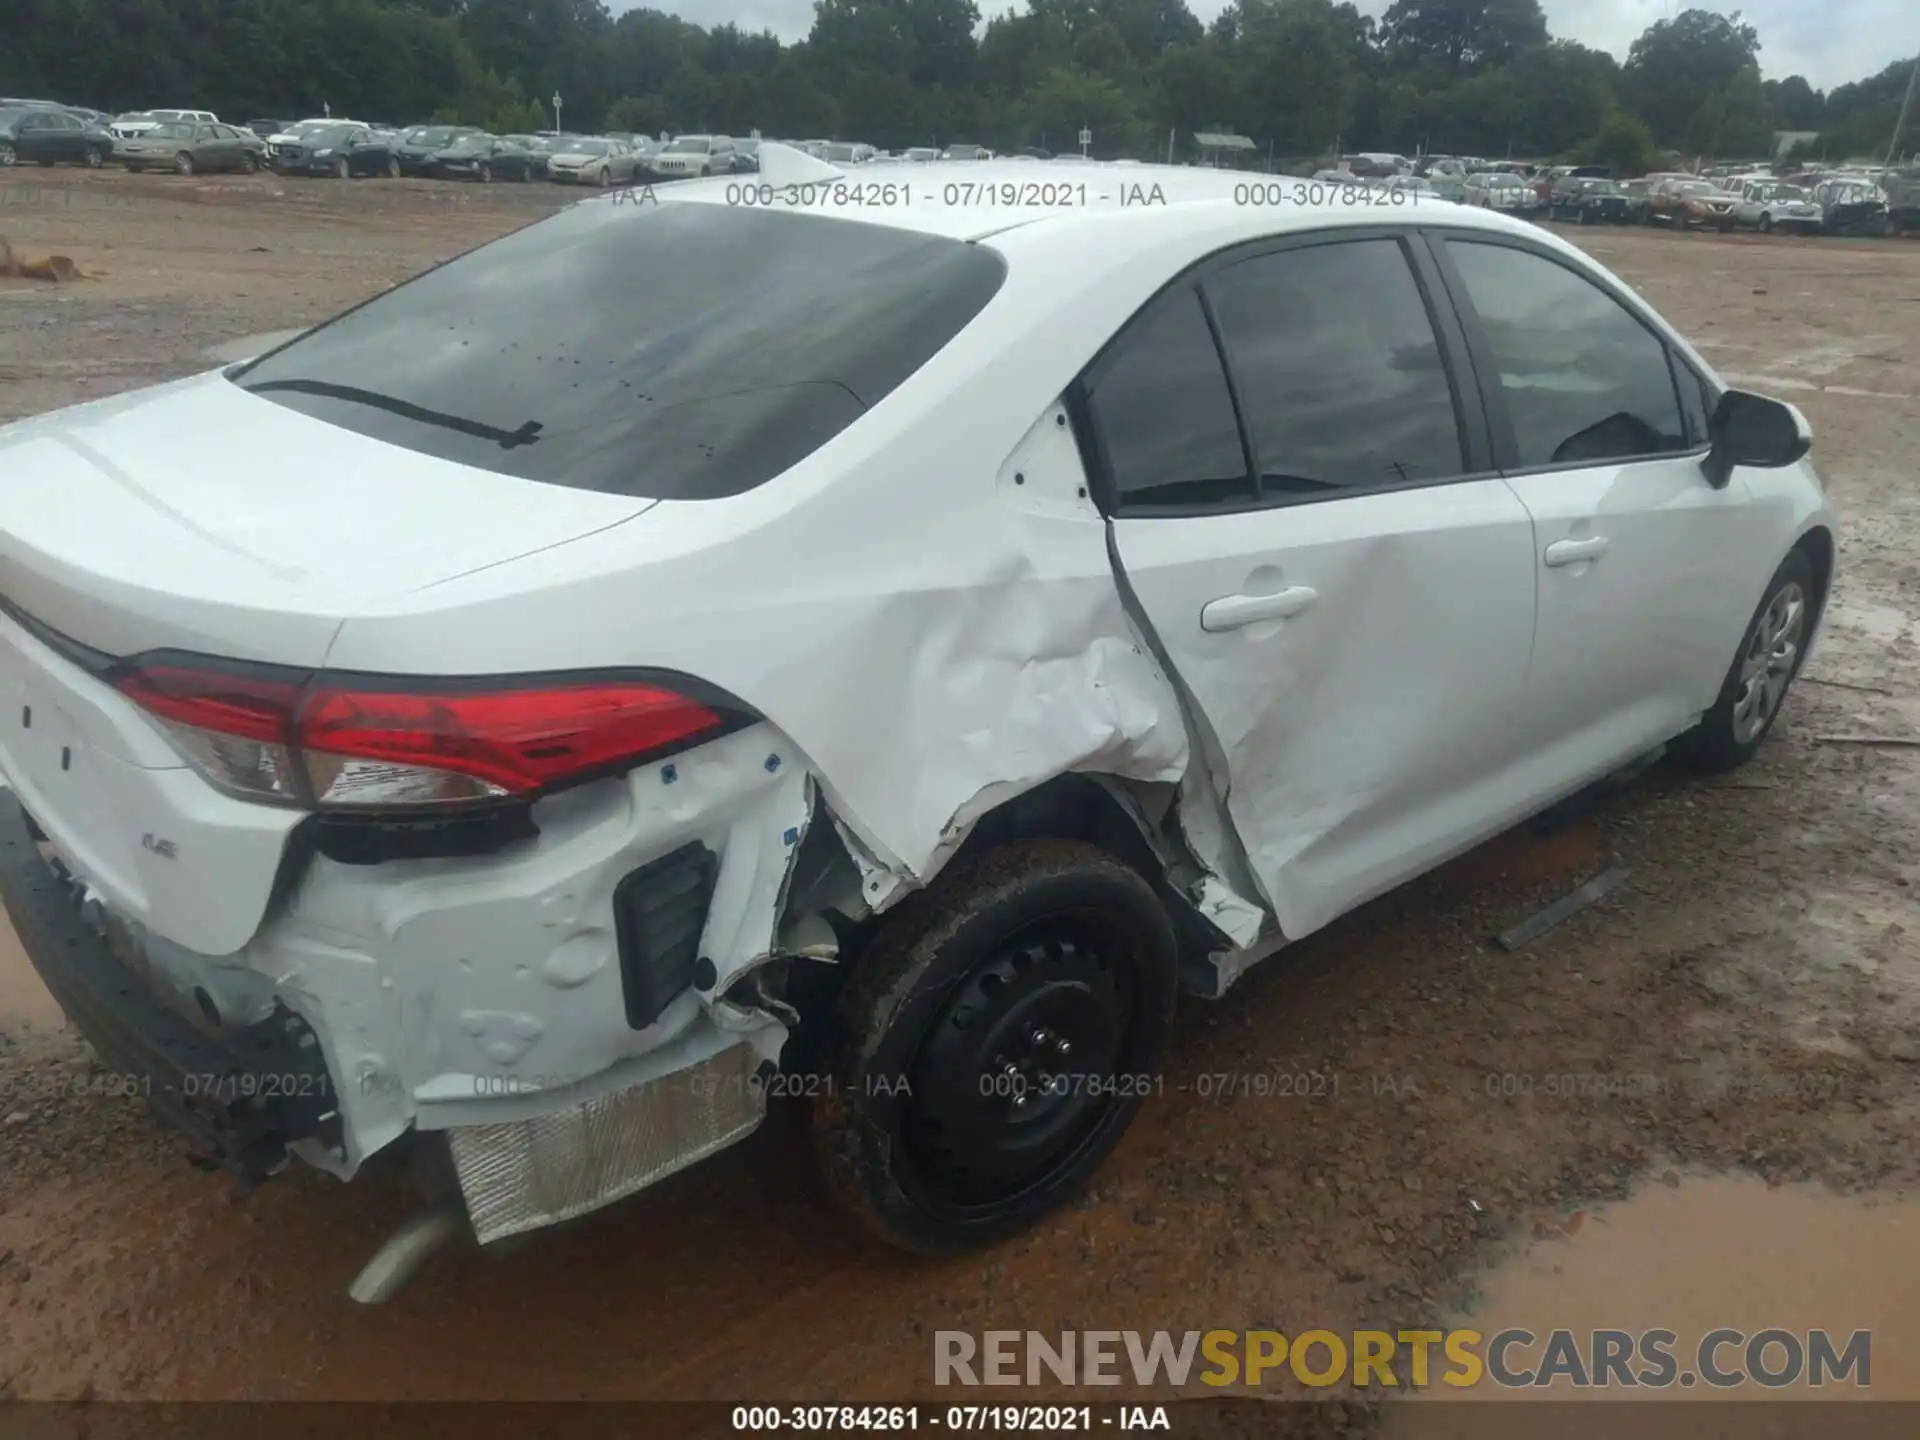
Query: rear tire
x=993, y=1043
x=1773, y=645
x=183, y=164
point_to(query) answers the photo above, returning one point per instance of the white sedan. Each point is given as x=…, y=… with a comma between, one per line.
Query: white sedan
x=1498, y=190
x=881, y=667
x=1776, y=205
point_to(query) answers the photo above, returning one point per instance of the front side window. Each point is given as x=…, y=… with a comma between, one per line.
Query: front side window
x=1338, y=369
x=555, y=355
x=1583, y=379
x=1163, y=413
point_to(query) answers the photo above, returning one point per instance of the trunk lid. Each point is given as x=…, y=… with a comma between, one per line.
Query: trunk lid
x=199, y=517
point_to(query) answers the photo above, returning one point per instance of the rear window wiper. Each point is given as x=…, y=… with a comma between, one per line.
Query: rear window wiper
x=526, y=434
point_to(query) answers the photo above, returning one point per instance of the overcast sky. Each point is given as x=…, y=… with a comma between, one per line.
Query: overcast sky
x=1828, y=41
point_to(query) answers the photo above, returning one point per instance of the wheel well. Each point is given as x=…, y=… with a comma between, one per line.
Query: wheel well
x=1068, y=807
x=1817, y=545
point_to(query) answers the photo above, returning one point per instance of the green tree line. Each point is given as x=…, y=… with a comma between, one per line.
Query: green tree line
x=1300, y=77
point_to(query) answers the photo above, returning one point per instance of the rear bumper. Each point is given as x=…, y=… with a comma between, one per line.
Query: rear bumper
x=245, y=1100
x=545, y=1006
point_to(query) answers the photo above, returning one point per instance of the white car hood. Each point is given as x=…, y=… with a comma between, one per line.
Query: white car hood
x=198, y=516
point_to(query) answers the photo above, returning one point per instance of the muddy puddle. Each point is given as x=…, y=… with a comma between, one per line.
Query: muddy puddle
x=1700, y=1254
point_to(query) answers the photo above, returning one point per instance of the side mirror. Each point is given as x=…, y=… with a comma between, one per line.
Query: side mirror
x=1749, y=429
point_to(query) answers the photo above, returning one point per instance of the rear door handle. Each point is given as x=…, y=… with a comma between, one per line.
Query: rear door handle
x=1230, y=612
x=1568, y=552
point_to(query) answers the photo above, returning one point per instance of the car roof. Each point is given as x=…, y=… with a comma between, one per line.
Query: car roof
x=1098, y=200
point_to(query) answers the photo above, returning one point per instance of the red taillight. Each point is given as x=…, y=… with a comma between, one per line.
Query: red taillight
x=361, y=744
x=229, y=703
x=518, y=740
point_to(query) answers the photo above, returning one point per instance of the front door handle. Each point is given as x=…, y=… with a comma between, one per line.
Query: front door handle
x=1568, y=552
x=1230, y=612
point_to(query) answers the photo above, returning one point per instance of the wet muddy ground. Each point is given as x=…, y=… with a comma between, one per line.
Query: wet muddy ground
x=1693, y=1105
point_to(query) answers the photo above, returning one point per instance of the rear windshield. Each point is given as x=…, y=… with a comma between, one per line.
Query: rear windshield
x=556, y=355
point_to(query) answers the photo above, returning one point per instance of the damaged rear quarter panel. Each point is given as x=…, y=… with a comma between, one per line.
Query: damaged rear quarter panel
x=930, y=633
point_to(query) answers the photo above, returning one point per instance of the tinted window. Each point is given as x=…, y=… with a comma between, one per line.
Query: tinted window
x=1163, y=413
x=555, y=354
x=1337, y=367
x=1583, y=379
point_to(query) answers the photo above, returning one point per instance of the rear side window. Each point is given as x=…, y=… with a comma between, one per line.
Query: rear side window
x=681, y=351
x=1584, y=380
x=1163, y=413
x=1338, y=369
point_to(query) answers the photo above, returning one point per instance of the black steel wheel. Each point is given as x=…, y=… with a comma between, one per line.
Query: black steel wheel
x=996, y=1039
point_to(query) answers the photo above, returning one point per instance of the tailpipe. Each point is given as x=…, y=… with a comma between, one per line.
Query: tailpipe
x=407, y=1251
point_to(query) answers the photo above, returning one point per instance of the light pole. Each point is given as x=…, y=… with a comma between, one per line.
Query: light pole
x=1086, y=139
x=1906, y=109
x=556, y=110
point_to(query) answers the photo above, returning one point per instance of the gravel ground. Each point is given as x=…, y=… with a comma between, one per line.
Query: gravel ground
x=1762, y=966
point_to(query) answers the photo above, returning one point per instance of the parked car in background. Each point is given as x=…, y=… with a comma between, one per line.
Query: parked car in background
x=1775, y=205
x=1850, y=206
x=1903, y=203
x=1600, y=202
x=746, y=157
x=51, y=137
x=687, y=157
x=966, y=152
x=1501, y=190
x=188, y=147
x=541, y=149
x=296, y=133
x=1563, y=198
x=1667, y=201
x=265, y=129
x=99, y=119
x=342, y=151
x=485, y=158
x=1378, y=164
x=842, y=152
x=920, y=154
x=1449, y=186
x=1708, y=209
x=142, y=122
x=1410, y=189
x=1638, y=192
x=421, y=143
x=590, y=160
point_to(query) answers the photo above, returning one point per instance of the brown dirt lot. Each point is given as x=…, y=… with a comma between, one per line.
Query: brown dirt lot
x=1726, y=1048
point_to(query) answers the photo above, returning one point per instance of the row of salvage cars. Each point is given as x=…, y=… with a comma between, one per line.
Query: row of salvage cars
x=348, y=150
x=189, y=142
x=1838, y=204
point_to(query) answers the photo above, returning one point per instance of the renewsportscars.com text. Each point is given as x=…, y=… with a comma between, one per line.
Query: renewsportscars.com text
x=1509, y=1359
